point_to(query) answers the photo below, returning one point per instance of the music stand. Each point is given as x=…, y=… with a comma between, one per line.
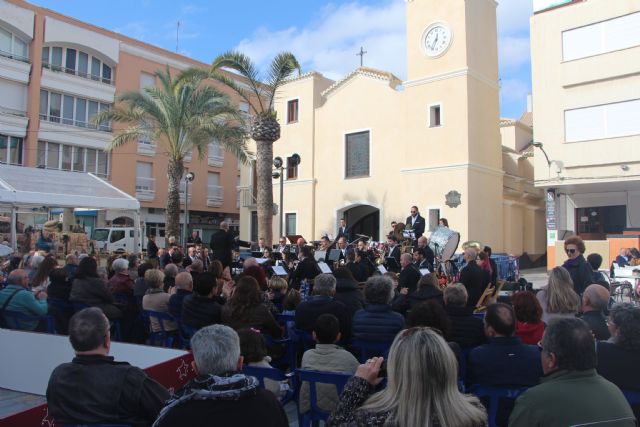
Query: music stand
x=256, y=254
x=334, y=255
x=320, y=255
x=279, y=270
x=381, y=269
x=324, y=268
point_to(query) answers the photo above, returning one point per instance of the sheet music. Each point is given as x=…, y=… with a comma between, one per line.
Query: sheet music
x=424, y=271
x=381, y=269
x=279, y=270
x=324, y=267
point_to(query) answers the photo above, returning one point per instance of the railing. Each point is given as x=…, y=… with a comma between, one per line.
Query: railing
x=248, y=198
x=76, y=123
x=12, y=112
x=214, y=196
x=15, y=56
x=78, y=73
x=146, y=148
x=145, y=188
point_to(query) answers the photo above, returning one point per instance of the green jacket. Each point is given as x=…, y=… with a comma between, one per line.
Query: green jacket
x=572, y=398
x=24, y=302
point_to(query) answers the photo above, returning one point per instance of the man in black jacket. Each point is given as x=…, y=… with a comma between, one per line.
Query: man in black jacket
x=466, y=329
x=409, y=275
x=307, y=268
x=152, y=248
x=201, y=308
x=594, y=303
x=415, y=222
x=473, y=278
x=93, y=388
x=222, y=244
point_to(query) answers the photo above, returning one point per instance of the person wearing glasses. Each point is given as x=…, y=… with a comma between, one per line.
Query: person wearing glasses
x=422, y=374
x=576, y=265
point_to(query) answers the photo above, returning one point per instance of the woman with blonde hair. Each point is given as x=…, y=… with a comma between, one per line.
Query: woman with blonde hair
x=558, y=299
x=421, y=390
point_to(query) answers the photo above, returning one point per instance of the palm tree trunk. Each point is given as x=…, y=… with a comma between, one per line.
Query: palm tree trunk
x=172, y=213
x=264, y=158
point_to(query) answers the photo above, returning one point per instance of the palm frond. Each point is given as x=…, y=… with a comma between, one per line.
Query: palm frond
x=242, y=64
x=282, y=66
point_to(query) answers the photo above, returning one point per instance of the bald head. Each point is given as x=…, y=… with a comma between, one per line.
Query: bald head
x=184, y=281
x=18, y=277
x=595, y=298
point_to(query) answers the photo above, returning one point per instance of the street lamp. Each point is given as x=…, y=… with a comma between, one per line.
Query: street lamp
x=278, y=164
x=189, y=177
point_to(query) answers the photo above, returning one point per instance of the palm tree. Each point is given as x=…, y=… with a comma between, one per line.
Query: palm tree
x=180, y=115
x=265, y=128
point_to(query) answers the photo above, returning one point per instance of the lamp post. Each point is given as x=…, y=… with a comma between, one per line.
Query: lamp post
x=278, y=172
x=189, y=177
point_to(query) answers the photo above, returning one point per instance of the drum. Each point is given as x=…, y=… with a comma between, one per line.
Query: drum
x=444, y=242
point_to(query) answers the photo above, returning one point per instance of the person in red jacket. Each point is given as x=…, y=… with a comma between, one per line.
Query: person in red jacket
x=529, y=326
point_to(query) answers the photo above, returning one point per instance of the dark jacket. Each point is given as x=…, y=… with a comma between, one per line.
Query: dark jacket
x=91, y=291
x=359, y=270
x=175, y=302
x=580, y=272
x=199, y=311
x=504, y=361
x=418, y=226
x=349, y=294
x=222, y=243
x=71, y=271
x=409, y=277
x=466, y=329
x=236, y=401
x=406, y=302
x=597, y=323
x=308, y=311
x=121, y=284
x=168, y=283
x=377, y=322
x=619, y=365
x=97, y=390
x=258, y=317
x=307, y=269
x=152, y=249
x=59, y=290
x=475, y=280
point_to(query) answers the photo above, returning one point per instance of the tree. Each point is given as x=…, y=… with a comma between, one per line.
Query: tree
x=182, y=114
x=265, y=129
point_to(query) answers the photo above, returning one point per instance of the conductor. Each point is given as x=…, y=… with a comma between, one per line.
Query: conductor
x=222, y=244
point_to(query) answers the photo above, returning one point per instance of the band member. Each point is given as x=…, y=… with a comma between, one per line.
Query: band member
x=222, y=243
x=300, y=243
x=409, y=275
x=282, y=245
x=357, y=266
x=420, y=262
x=362, y=245
x=343, y=230
x=428, y=254
x=442, y=222
x=307, y=268
x=325, y=243
x=393, y=252
x=393, y=229
x=259, y=247
x=344, y=249
x=415, y=222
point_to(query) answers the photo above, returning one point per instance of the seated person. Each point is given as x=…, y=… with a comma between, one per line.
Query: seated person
x=200, y=308
x=322, y=302
x=327, y=356
x=170, y=274
x=623, y=259
x=347, y=290
x=183, y=288
x=156, y=299
x=140, y=286
x=428, y=289
x=17, y=297
x=594, y=303
x=121, y=283
x=529, y=324
x=377, y=321
x=466, y=329
x=220, y=395
x=278, y=288
x=254, y=353
x=431, y=314
x=595, y=261
x=291, y=301
x=93, y=388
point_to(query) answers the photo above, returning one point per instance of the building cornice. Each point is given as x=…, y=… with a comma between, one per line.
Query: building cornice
x=462, y=72
x=152, y=56
x=365, y=72
x=454, y=167
x=303, y=76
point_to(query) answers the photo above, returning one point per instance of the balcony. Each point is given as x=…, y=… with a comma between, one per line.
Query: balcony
x=14, y=56
x=14, y=67
x=145, y=188
x=146, y=148
x=103, y=127
x=214, y=196
x=6, y=111
x=248, y=198
x=84, y=75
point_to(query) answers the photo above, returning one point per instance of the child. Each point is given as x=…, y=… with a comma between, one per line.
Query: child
x=278, y=287
x=254, y=351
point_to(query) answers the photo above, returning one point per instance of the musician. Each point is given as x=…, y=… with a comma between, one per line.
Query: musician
x=393, y=229
x=300, y=243
x=325, y=244
x=343, y=230
x=260, y=246
x=427, y=252
x=420, y=262
x=366, y=262
x=282, y=246
x=357, y=269
x=270, y=262
x=307, y=268
x=415, y=222
x=222, y=243
x=409, y=275
x=361, y=245
x=473, y=278
x=394, y=250
x=344, y=249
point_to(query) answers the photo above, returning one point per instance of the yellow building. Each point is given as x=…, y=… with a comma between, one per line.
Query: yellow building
x=586, y=98
x=372, y=146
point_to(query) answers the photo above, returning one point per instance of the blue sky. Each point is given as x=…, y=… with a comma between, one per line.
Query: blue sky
x=324, y=35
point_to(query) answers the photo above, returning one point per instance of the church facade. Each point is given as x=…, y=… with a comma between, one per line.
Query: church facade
x=371, y=146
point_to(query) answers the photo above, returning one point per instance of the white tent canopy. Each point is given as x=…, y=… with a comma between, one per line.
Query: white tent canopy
x=22, y=186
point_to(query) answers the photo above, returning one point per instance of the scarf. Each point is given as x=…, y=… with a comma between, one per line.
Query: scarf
x=212, y=387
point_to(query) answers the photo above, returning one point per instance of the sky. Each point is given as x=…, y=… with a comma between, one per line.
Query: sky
x=324, y=35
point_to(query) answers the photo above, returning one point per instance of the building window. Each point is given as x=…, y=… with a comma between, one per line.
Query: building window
x=10, y=150
x=434, y=217
x=14, y=97
x=292, y=111
x=602, y=121
x=596, y=39
x=71, y=110
x=214, y=190
x=595, y=223
x=290, y=224
x=13, y=47
x=52, y=155
x=215, y=154
x=73, y=61
x=357, y=154
x=155, y=228
x=147, y=80
x=292, y=169
x=145, y=184
x=435, y=116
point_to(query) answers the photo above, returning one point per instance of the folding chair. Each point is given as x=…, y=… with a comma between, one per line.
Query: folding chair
x=273, y=374
x=494, y=394
x=166, y=338
x=313, y=378
x=371, y=348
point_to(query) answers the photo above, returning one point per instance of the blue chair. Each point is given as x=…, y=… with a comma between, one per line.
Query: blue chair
x=494, y=394
x=186, y=332
x=371, y=348
x=480, y=315
x=24, y=322
x=633, y=397
x=164, y=337
x=462, y=362
x=275, y=375
x=116, y=329
x=318, y=377
x=289, y=358
x=303, y=337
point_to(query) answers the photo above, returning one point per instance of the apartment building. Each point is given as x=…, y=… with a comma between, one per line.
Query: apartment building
x=56, y=73
x=586, y=98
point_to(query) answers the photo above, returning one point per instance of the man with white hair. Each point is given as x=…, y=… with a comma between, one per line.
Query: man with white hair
x=220, y=395
x=121, y=282
x=409, y=275
x=472, y=277
x=222, y=243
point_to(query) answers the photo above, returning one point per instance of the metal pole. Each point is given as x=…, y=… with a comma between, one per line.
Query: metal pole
x=186, y=215
x=281, y=201
x=14, y=224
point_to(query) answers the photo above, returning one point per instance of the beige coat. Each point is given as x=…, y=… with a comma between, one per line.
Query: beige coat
x=158, y=300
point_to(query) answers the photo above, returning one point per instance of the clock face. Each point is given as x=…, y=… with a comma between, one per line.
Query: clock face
x=437, y=39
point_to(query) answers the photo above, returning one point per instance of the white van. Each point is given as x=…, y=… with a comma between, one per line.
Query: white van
x=121, y=239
